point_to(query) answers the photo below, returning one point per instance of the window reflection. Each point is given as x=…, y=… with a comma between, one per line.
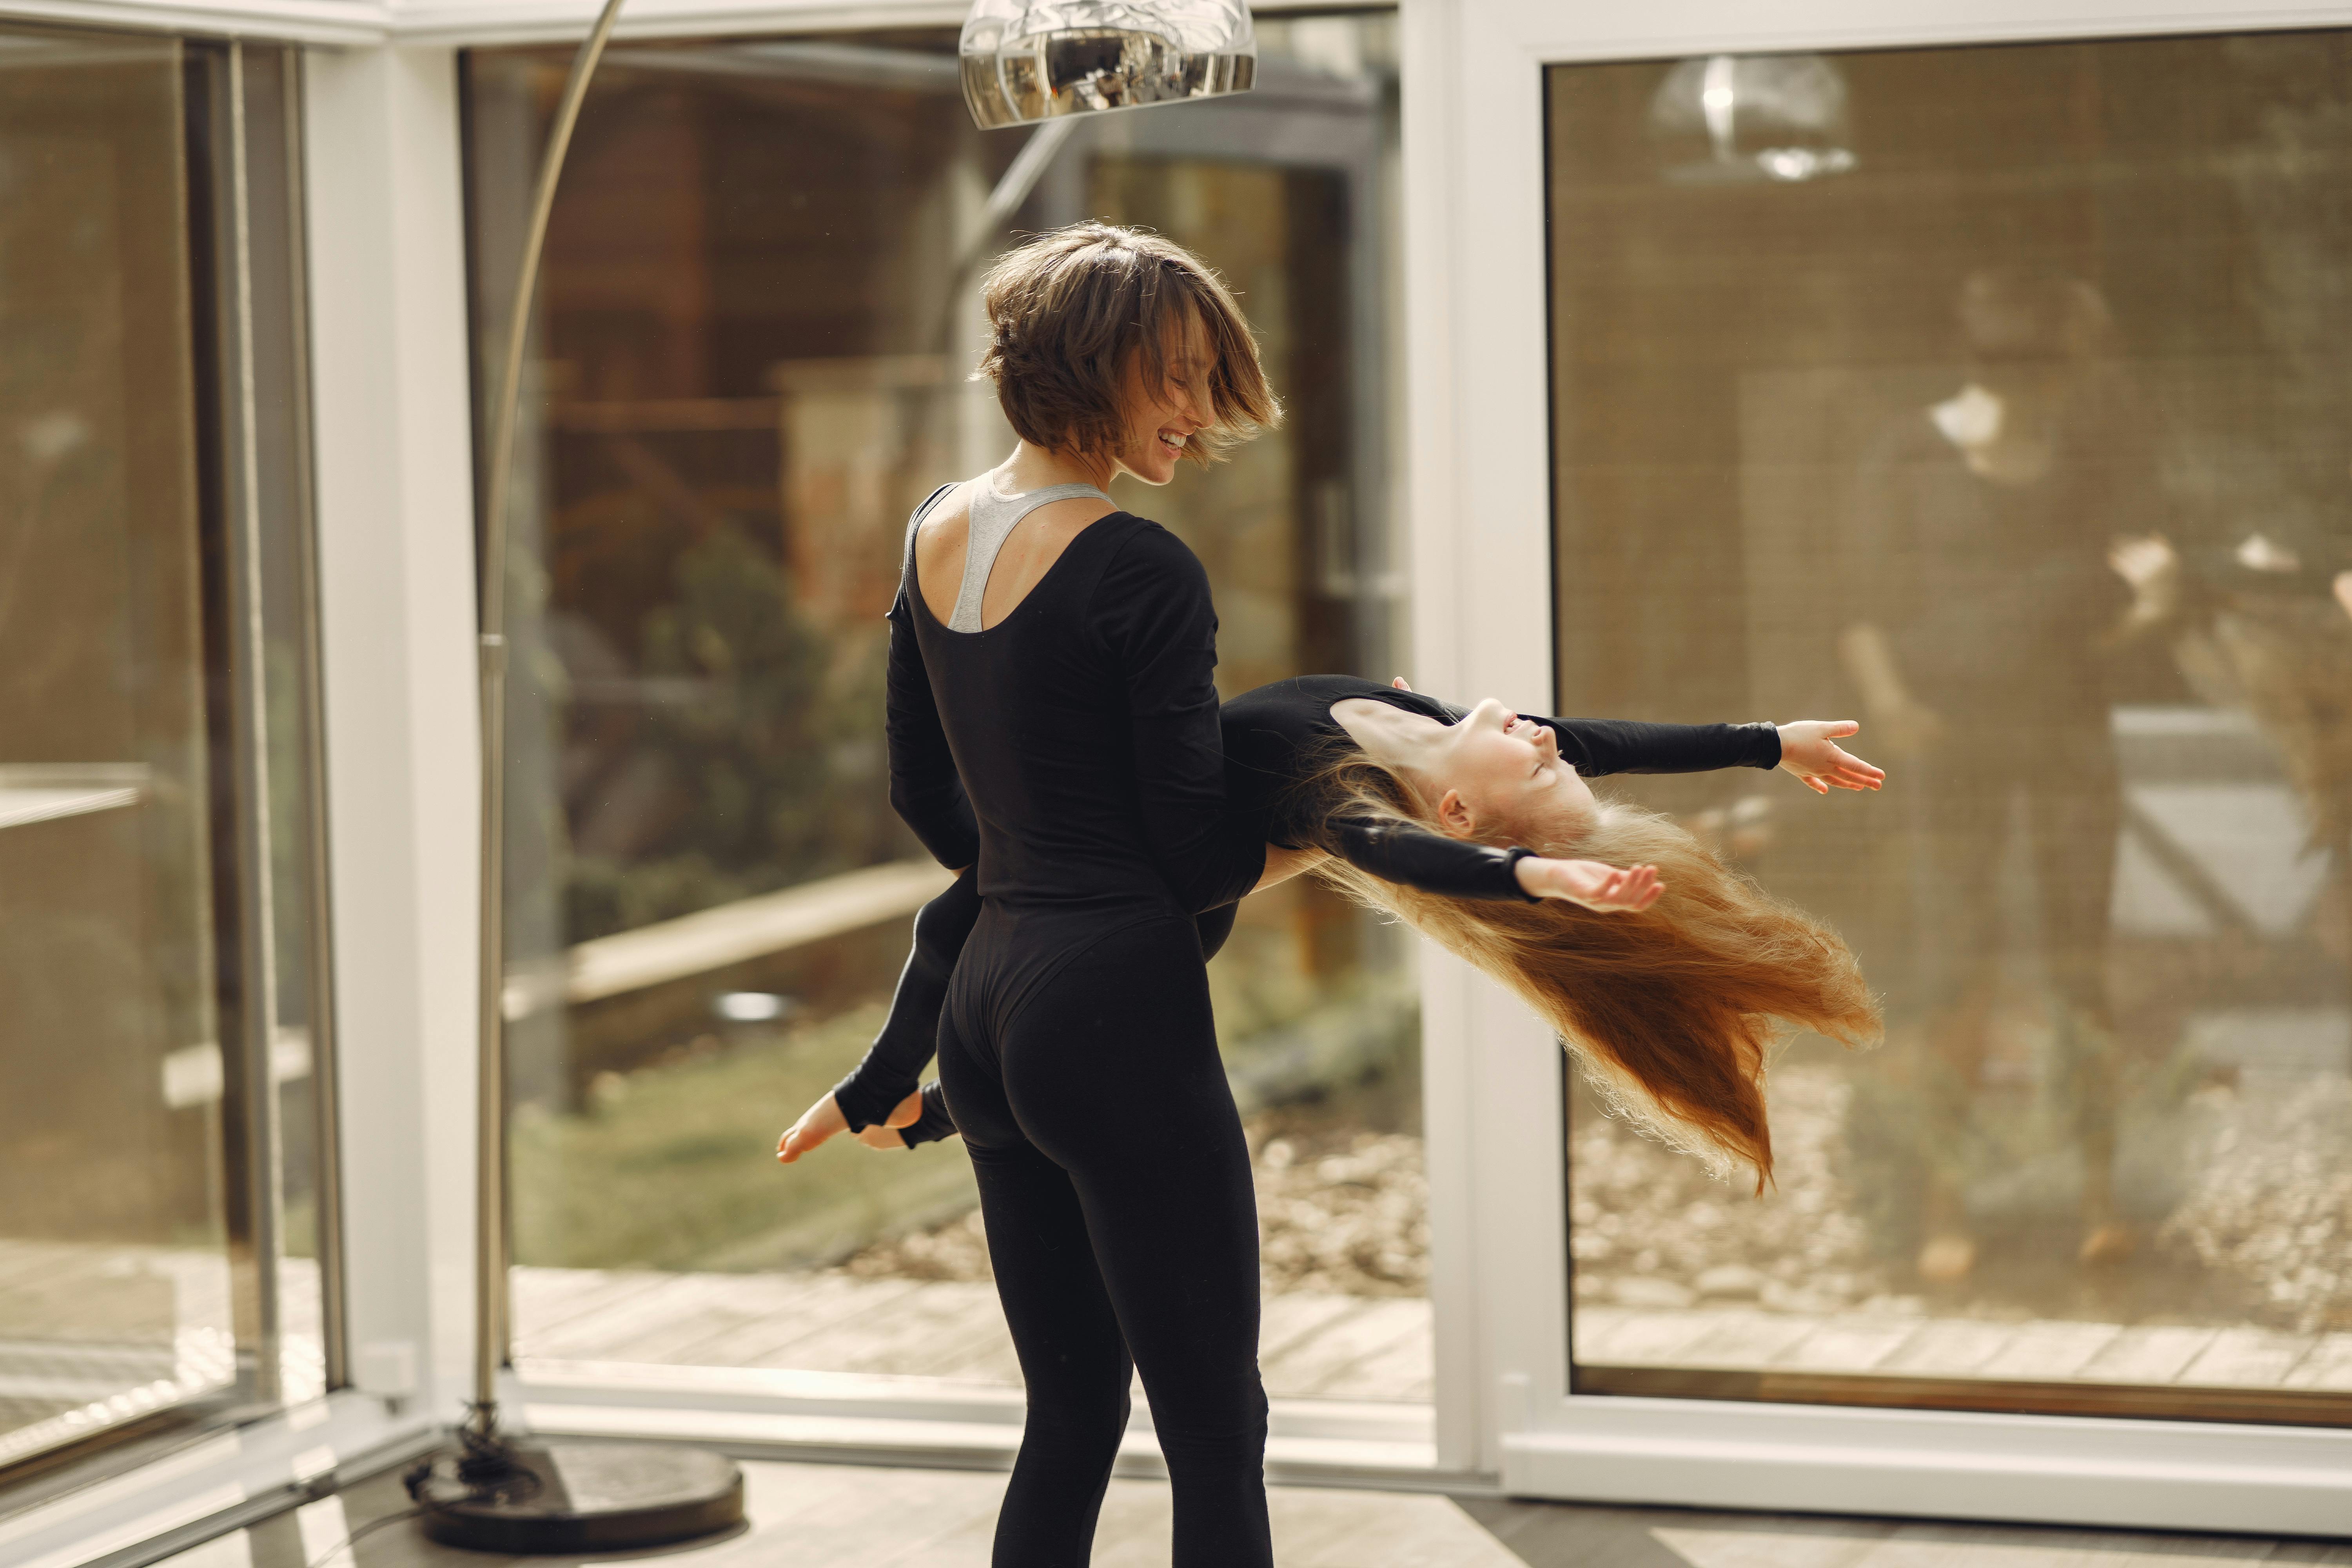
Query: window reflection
x=2019, y=436
x=161, y=1123
x=758, y=313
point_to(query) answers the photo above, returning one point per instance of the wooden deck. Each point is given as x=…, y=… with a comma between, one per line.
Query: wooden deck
x=1360, y=1347
x=1312, y=1346
x=1747, y=1340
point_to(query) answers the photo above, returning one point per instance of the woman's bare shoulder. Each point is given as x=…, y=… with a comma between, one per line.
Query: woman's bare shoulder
x=949, y=516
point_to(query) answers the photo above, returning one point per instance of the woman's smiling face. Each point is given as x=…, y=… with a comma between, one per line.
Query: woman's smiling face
x=1161, y=418
x=1506, y=777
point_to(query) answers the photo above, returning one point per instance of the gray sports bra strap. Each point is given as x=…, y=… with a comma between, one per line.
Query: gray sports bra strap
x=993, y=520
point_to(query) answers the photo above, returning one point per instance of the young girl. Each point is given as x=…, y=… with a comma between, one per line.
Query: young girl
x=1669, y=989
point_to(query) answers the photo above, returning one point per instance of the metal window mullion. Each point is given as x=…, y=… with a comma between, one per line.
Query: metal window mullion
x=249, y=707
x=317, y=884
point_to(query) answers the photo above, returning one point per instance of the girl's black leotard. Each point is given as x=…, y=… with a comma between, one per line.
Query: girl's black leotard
x=1272, y=738
x=1083, y=728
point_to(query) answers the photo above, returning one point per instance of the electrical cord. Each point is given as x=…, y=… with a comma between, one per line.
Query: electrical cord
x=370, y=1527
x=486, y=1470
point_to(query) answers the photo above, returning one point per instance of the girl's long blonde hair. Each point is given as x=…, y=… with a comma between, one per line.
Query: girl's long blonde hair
x=1672, y=1011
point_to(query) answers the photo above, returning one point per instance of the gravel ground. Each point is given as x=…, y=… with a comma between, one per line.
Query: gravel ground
x=1650, y=1228
x=2272, y=1202
x=1338, y=1210
x=2263, y=1235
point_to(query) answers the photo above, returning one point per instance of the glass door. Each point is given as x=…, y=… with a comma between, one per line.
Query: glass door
x=1996, y=398
x=758, y=318
x=163, y=1026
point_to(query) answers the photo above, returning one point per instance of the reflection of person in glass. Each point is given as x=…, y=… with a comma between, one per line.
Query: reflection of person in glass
x=1405, y=803
x=2001, y=542
x=2269, y=627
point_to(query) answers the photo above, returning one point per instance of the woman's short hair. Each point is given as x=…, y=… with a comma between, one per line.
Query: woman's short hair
x=1070, y=310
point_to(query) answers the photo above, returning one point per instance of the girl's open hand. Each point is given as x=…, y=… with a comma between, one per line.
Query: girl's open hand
x=1808, y=750
x=1590, y=883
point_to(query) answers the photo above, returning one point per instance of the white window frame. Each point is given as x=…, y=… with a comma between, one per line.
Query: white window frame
x=393, y=489
x=1481, y=504
x=395, y=486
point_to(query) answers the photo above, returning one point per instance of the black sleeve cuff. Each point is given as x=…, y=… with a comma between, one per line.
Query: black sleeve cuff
x=1764, y=749
x=1518, y=853
x=864, y=1104
x=935, y=1123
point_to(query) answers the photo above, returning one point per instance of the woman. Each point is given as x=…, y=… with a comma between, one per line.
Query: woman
x=1052, y=655
x=1386, y=793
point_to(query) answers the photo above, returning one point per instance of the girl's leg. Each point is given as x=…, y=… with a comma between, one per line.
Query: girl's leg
x=1113, y=1074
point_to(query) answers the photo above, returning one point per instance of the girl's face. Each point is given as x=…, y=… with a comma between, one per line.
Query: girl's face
x=1160, y=419
x=1501, y=773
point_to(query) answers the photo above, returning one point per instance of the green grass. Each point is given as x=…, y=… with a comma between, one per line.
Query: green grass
x=674, y=1166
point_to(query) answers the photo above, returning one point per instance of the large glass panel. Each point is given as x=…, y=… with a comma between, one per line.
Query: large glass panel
x=149, y=534
x=756, y=320
x=1996, y=398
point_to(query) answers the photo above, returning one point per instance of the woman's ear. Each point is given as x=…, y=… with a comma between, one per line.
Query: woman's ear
x=1454, y=817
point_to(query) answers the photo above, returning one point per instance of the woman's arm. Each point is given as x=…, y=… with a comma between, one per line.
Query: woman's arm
x=1154, y=612
x=925, y=789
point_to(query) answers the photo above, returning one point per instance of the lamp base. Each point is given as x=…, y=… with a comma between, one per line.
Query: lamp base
x=529, y=1497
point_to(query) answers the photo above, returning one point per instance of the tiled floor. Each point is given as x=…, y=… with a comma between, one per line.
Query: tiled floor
x=813, y=1515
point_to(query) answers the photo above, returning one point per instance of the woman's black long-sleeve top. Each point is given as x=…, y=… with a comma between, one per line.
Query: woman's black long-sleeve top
x=1274, y=738
x=1118, y=635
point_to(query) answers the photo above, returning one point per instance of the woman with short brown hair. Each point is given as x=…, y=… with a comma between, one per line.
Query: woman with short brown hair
x=1053, y=720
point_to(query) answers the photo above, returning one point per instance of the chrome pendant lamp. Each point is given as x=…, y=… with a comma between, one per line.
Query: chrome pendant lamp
x=1031, y=60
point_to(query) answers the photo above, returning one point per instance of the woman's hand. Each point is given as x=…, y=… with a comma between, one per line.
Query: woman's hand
x=1808, y=750
x=1590, y=883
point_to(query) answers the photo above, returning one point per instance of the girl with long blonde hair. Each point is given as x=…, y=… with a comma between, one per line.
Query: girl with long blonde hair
x=1665, y=972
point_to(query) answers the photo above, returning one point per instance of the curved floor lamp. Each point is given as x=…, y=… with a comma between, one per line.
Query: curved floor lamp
x=1023, y=62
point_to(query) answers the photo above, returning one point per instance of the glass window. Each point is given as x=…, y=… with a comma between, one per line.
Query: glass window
x=161, y=1025
x=758, y=317
x=1998, y=398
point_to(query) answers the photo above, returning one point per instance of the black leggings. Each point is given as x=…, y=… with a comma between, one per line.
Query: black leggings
x=1114, y=1184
